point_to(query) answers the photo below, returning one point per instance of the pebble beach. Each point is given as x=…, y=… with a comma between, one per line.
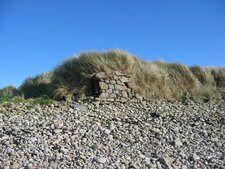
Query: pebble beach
x=130, y=135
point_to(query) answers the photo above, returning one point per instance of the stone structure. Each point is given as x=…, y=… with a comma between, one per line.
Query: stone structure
x=112, y=86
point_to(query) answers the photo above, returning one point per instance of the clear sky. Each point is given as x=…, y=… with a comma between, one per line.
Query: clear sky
x=37, y=35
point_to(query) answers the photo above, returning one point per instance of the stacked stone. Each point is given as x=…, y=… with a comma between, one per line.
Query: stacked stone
x=113, y=86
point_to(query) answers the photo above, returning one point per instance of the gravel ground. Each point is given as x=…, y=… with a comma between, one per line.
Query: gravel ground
x=131, y=135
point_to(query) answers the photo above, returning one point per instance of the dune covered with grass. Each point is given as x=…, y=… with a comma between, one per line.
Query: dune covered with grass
x=152, y=80
x=162, y=128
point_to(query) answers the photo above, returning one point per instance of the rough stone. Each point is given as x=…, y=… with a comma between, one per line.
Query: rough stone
x=124, y=94
x=118, y=73
x=111, y=86
x=103, y=85
x=120, y=87
x=123, y=100
x=112, y=82
x=166, y=161
x=139, y=97
x=101, y=160
x=177, y=142
x=115, y=77
x=100, y=75
x=113, y=95
x=103, y=95
x=109, y=91
x=110, y=100
x=124, y=79
x=116, y=91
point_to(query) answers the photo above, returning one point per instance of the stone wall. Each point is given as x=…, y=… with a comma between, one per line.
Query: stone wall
x=113, y=86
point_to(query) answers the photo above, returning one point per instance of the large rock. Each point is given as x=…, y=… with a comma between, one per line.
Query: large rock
x=115, y=77
x=124, y=79
x=124, y=94
x=112, y=82
x=100, y=75
x=118, y=73
x=109, y=91
x=103, y=85
x=103, y=95
x=113, y=95
x=120, y=87
x=111, y=86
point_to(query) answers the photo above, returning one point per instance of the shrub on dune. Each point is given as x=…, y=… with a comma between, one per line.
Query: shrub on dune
x=39, y=86
x=9, y=91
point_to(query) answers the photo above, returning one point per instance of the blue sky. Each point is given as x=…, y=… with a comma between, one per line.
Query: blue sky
x=38, y=35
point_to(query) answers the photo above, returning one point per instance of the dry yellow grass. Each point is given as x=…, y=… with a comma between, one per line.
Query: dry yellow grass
x=153, y=80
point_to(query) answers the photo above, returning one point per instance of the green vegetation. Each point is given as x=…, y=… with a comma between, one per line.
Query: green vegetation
x=9, y=91
x=153, y=80
x=41, y=101
x=5, y=98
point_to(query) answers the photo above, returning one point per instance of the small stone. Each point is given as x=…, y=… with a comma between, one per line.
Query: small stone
x=57, y=155
x=110, y=137
x=98, y=123
x=32, y=139
x=163, y=115
x=58, y=124
x=176, y=130
x=184, y=167
x=101, y=160
x=15, y=165
x=214, y=139
x=4, y=137
x=57, y=131
x=30, y=166
x=177, y=142
x=97, y=146
x=118, y=112
x=195, y=157
x=64, y=150
x=156, y=131
x=107, y=131
x=166, y=161
x=111, y=126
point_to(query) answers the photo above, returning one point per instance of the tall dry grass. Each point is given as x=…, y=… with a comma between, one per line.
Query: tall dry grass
x=39, y=86
x=153, y=80
x=9, y=91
